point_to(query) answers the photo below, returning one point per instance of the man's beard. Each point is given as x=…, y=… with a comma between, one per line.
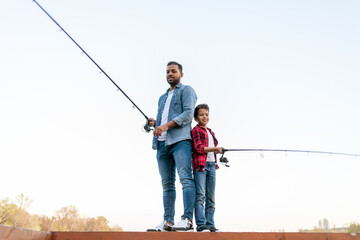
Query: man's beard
x=174, y=82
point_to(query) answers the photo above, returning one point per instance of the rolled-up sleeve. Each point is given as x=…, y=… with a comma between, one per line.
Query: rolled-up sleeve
x=197, y=141
x=188, y=105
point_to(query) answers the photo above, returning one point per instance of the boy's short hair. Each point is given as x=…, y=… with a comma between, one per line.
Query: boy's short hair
x=176, y=63
x=198, y=107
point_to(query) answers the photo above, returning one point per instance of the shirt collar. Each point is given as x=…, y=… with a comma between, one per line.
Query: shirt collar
x=177, y=86
x=204, y=128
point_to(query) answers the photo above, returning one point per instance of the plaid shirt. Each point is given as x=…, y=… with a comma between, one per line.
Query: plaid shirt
x=200, y=140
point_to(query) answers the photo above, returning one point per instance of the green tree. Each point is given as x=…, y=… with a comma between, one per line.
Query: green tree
x=117, y=228
x=47, y=224
x=23, y=201
x=69, y=219
x=99, y=223
x=23, y=219
x=7, y=212
x=15, y=215
x=65, y=219
x=354, y=227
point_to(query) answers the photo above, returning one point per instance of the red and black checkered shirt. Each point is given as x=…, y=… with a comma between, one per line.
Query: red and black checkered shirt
x=200, y=140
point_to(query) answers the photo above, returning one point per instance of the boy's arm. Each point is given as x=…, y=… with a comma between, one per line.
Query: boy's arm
x=199, y=147
x=216, y=150
x=197, y=143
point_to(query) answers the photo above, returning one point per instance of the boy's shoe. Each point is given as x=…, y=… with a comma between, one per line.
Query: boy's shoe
x=164, y=226
x=214, y=229
x=184, y=225
x=203, y=229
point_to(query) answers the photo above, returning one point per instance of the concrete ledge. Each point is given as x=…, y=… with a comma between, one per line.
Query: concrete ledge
x=12, y=233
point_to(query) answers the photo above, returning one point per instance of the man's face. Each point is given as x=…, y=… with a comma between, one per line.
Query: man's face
x=173, y=75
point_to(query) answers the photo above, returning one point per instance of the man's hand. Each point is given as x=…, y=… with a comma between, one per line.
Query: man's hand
x=151, y=122
x=160, y=129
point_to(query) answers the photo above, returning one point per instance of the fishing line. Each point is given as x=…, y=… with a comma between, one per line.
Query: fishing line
x=226, y=161
x=145, y=127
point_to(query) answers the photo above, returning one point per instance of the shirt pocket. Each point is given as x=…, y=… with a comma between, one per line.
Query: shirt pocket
x=176, y=106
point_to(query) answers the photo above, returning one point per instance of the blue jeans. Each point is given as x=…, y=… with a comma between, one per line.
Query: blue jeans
x=205, y=195
x=171, y=158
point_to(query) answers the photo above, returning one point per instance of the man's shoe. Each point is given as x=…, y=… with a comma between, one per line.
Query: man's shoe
x=164, y=226
x=184, y=225
x=214, y=229
x=203, y=229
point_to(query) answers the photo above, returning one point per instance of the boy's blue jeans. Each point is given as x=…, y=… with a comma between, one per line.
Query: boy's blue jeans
x=171, y=158
x=205, y=195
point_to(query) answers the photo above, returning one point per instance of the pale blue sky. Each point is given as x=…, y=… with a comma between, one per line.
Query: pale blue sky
x=279, y=74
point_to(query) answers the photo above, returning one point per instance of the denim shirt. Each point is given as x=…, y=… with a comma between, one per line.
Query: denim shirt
x=181, y=111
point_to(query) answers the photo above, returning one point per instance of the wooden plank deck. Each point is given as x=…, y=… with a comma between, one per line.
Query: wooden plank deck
x=11, y=233
x=200, y=236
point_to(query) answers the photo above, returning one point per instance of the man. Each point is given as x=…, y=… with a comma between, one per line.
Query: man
x=172, y=140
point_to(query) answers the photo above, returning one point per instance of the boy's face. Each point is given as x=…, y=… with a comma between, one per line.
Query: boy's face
x=202, y=117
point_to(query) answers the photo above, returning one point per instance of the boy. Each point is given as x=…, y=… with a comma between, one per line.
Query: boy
x=204, y=167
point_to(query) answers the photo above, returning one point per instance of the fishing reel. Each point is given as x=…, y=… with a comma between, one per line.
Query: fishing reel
x=146, y=127
x=223, y=159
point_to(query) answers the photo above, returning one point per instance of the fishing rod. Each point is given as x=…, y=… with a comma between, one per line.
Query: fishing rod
x=225, y=161
x=146, y=127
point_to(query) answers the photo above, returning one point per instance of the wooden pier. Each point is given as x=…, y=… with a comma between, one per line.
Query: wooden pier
x=11, y=233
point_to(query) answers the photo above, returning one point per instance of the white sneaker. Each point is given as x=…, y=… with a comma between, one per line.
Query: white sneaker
x=164, y=226
x=183, y=225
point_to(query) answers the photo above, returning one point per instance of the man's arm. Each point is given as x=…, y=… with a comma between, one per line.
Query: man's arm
x=160, y=129
x=188, y=104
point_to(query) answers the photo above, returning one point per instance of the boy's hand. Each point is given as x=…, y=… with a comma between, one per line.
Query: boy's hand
x=219, y=150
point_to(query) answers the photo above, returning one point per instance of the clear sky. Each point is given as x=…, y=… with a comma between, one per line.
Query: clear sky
x=276, y=74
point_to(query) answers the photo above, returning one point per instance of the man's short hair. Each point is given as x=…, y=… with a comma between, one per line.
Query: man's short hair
x=198, y=107
x=176, y=63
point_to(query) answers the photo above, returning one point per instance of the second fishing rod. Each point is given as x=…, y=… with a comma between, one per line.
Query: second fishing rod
x=146, y=127
x=225, y=161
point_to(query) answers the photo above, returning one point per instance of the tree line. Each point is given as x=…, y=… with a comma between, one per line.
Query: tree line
x=14, y=214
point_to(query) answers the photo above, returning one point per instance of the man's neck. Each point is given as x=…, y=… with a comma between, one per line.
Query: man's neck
x=172, y=87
